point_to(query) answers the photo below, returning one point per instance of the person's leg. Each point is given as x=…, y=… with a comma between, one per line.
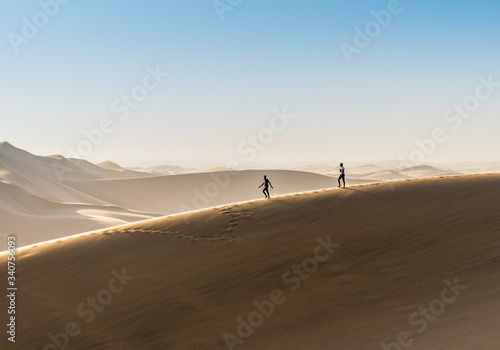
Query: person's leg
x=268, y=195
x=264, y=191
x=339, y=179
x=343, y=179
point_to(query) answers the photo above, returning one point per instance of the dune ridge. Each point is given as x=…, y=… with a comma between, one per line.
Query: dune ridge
x=193, y=275
x=71, y=196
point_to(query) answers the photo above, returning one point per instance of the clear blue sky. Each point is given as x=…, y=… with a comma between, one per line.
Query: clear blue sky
x=226, y=77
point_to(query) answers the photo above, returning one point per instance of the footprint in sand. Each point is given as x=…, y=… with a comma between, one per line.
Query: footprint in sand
x=235, y=218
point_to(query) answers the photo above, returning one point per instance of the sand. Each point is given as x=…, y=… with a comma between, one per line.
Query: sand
x=186, y=192
x=44, y=198
x=399, y=246
x=33, y=219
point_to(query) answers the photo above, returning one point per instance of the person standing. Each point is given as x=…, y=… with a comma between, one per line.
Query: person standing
x=266, y=185
x=342, y=174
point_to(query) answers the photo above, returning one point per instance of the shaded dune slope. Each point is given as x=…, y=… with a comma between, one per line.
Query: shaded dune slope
x=196, y=273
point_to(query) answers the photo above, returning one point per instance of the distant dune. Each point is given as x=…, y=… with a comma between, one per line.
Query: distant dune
x=43, y=176
x=414, y=261
x=423, y=171
x=166, y=169
x=34, y=219
x=384, y=175
x=178, y=193
x=44, y=198
x=365, y=169
x=383, y=171
x=110, y=166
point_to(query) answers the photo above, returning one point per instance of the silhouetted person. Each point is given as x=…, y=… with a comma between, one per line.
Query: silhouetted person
x=342, y=174
x=266, y=185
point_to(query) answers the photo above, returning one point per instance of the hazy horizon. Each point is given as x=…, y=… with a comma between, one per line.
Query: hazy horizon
x=204, y=165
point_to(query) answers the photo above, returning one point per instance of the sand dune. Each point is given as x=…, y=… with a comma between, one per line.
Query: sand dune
x=474, y=167
x=320, y=168
x=180, y=193
x=366, y=169
x=423, y=170
x=37, y=205
x=382, y=171
x=383, y=175
x=124, y=173
x=110, y=166
x=165, y=170
x=188, y=278
x=43, y=176
x=39, y=175
x=73, y=195
x=34, y=219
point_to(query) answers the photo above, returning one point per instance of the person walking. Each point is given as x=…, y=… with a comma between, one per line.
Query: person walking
x=266, y=185
x=342, y=174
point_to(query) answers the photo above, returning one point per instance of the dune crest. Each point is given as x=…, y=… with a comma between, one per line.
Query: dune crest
x=189, y=279
x=73, y=195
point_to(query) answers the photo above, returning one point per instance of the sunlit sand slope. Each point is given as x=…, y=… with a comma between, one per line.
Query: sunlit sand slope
x=415, y=262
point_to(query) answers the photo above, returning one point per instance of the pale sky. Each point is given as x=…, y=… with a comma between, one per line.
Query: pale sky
x=365, y=80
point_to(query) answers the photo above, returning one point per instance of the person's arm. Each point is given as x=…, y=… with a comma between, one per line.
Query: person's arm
x=270, y=184
x=261, y=185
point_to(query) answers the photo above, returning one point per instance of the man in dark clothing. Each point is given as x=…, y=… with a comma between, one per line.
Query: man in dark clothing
x=266, y=185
